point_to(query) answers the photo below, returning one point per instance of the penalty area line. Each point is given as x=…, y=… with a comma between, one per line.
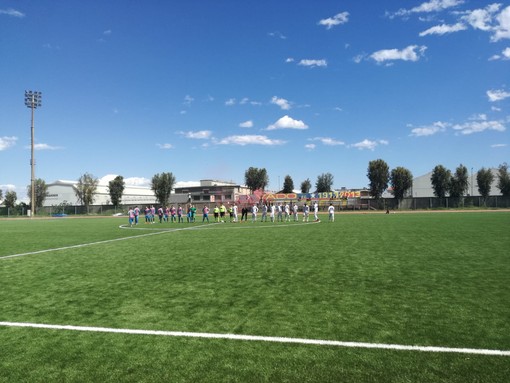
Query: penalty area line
x=257, y=338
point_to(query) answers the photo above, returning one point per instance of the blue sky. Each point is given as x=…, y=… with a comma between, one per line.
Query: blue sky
x=207, y=89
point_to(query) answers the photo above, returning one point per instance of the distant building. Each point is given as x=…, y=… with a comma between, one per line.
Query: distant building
x=206, y=191
x=64, y=192
x=212, y=191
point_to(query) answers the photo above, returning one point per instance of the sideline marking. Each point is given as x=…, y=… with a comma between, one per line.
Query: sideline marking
x=93, y=243
x=257, y=338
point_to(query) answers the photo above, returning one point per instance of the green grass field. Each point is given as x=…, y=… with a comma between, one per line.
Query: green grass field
x=425, y=279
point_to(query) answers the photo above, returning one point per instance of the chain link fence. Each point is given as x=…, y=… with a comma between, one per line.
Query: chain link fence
x=424, y=203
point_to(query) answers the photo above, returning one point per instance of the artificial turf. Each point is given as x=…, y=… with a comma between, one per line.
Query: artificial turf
x=415, y=279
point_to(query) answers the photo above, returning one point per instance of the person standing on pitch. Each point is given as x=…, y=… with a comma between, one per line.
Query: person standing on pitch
x=131, y=214
x=235, y=212
x=315, y=211
x=306, y=212
x=331, y=211
x=205, y=214
x=295, y=212
x=264, y=213
x=137, y=213
x=254, y=211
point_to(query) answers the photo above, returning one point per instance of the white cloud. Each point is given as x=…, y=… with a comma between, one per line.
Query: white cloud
x=310, y=146
x=497, y=95
x=338, y=19
x=244, y=140
x=443, y=29
x=313, y=63
x=479, y=126
x=289, y=60
x=427, y=7
x=45, y=147
x=12, y=12
x=430, y=130
x=8, y=187
x=277, y=34
x=287, y=122
x=359, y=58
x=246, y=124
x=481, y=18
x=328, y=141
x=7, y=142
x=165, y=146
x=406, y=54
x=502, y=30
x=230, y=102
x=198, y=135
x=369, y=144
x=281, y=102
x=499, y=146
x=505, y=55
x=188, y=100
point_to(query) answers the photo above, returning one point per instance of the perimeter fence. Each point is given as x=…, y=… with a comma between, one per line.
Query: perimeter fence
x=424, y=203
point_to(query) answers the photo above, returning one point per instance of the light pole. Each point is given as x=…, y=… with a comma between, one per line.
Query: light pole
x=32, y=101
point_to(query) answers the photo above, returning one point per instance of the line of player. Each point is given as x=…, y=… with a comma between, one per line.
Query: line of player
x=281, y=212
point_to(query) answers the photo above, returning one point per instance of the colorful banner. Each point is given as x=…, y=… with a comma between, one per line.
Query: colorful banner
x=309, y=196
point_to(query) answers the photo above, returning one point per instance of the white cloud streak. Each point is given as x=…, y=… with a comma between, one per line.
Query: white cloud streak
x=244, y=140
x=198, y=135
x=281, y=102
x=407, y=54
x=444, y=29
x=497, y=95
x=338, y=19
x=7, y=142
x=12, y=12
x=427, y=7
x=246, y=124
x=367, y=144
x=328, y=141
x=429, y=130
x=313, y=63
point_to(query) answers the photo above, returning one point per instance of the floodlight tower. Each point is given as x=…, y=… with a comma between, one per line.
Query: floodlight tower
x=32, y=101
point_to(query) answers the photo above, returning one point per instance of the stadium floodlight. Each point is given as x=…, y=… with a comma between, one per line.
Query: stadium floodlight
x=32, y=101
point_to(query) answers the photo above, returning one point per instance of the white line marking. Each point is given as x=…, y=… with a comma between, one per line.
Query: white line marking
x=261, y=339
x=93, y=243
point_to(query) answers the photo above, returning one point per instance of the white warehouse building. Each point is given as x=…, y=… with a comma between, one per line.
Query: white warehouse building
x=63, y=192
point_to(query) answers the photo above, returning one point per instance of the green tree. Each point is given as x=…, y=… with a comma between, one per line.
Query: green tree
x=162, y=185
x=324, y=183
x=459, y=183
x=1, y=195
x=256, y=178
x=10, y=199
x=401, y=180
x=440, y=180
x=503, y=180
x=116, y=189
x=288, y=184
x=85, y=189
x=484, y=179
x=41, y=192
x=379, y=175
x=306, y=185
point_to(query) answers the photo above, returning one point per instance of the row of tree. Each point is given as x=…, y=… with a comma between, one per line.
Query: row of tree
x=444, y=183
x=400, y=180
